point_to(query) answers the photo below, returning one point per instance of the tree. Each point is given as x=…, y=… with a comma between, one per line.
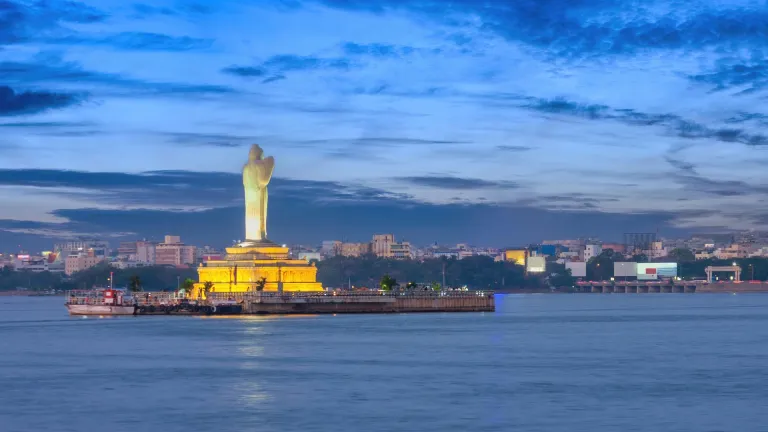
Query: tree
x=207, y=288
x=388, y=283
x=681, y=255
x=134, y=284
x=260, y=284
x=562, y=279
x=436, y=286
x=640, y=258
x=188, y=286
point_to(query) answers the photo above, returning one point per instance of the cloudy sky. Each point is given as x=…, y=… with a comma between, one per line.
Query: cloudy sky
x=494, y=122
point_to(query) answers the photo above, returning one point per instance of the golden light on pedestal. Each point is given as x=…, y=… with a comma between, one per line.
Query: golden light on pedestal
x=257, y=258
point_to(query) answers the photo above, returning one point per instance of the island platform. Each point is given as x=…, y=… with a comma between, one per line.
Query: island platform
x=281, y=303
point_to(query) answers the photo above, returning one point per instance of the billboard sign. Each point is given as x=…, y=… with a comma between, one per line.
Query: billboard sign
x=536, y=264
x=652, y=271
x=577, y=268
x=625, y=269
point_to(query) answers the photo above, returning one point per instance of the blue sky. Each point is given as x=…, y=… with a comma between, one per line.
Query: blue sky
x=491, y=122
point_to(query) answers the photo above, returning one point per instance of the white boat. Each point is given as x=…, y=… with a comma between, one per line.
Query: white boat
x=85, y=309
x=100, y=302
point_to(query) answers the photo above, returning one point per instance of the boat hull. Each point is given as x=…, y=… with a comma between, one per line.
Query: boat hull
x=75, y=309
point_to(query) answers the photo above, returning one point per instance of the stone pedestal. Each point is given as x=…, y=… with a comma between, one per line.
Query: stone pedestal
x=246, y=264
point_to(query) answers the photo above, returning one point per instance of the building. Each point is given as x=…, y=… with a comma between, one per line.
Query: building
x=127, y=249
x=25, y=262
x=206, y=252
x=122, y=265
x=99, y=247
x=615, y=247
x=732, y=252
x=517, y=256
x=591, y=251
x=400, y=250
x=445, y=253
x=174, y=253
x=381, y=246
x=354, y=249
x=145, y=252
x=309, y=256
x=80, y=262
x=330, y=248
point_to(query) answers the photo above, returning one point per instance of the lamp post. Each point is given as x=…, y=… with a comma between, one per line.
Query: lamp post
x=178, y=283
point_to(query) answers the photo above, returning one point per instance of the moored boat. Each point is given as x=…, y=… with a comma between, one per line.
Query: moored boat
x=100, y=302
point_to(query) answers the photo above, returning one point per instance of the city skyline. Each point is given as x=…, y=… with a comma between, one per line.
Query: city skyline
x=492, y=125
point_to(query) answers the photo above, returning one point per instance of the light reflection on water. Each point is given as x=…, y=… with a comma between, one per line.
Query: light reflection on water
x=598, y=363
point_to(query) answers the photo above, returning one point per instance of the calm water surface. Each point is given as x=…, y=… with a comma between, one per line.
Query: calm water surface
x=593, y=363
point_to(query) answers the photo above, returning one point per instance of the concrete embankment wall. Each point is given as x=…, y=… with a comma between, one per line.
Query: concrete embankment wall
x=743, y=287
x=484, y=303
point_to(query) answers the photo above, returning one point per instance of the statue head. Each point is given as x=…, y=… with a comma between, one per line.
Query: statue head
x=256, y=153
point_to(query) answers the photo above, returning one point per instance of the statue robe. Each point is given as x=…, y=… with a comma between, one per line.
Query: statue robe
x=256, y=176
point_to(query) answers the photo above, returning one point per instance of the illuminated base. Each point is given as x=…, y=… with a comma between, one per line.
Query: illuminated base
x=248, y=263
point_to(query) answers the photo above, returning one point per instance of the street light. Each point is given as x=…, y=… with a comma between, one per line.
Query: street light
x=178, y=282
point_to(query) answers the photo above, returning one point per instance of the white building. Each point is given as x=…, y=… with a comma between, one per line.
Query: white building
x=400, y=250
x=145, y=252
x=309, y=256
x=122, y=265
x=591, y=251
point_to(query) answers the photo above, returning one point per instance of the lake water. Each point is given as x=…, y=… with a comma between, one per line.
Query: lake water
x=597, y=363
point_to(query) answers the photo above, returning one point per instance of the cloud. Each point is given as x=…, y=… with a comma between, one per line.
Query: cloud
x=276, y=67
x=674, y=124
x=22, y=22
x=733, y=74
x=139, y=41
x=513, y=148
x=53, y=70
x=378, y=50
x=383, y=141
x=580, y=28
x=209, y=139
x=457, y=183
x=33, y=102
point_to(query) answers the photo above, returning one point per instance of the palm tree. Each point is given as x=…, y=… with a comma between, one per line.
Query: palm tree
x=260, y=284
x=134, y=284
x=207, y=287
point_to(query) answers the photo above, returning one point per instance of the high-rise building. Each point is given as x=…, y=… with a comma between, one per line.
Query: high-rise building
x=173, y=252
x=145, y=252
x=381, y=245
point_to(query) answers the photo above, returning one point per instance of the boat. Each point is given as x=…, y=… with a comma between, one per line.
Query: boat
x=100, y=302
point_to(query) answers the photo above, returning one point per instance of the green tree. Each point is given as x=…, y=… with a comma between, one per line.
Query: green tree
x=681, y=255
x=260, y=284
x=388, y=283
x=134, y=284
x=436, y=286
x=188, y=286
